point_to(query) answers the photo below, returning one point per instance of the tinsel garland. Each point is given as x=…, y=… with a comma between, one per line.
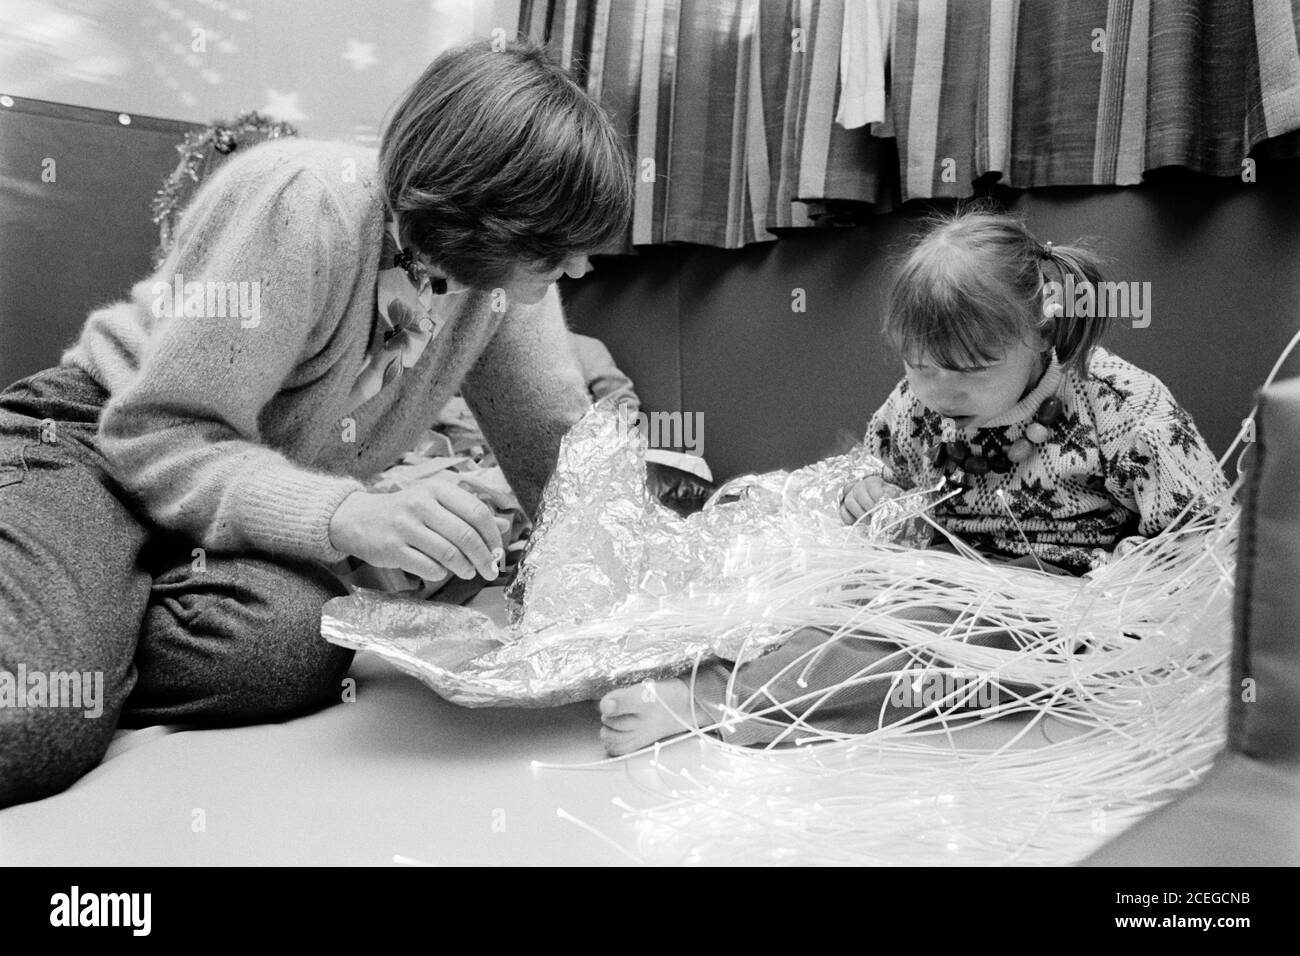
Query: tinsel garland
x=197, y=161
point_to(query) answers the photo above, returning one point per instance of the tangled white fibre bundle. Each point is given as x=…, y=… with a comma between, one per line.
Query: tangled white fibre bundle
x=1130, y=666
x=1114, y=700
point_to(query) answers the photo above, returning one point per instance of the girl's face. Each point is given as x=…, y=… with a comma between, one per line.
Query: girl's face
x=974, y=395
x=527, y=284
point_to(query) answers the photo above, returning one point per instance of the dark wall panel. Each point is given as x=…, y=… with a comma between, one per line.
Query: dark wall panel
x=633, y=305
x=80, y=241
x=1224, y=265
x=796, y=383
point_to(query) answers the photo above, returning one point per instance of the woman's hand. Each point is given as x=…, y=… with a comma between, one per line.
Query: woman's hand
x=861, y=496
x=422, y=529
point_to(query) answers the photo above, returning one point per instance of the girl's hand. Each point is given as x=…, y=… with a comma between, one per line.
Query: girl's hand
x=861, y=496
x=422, y=529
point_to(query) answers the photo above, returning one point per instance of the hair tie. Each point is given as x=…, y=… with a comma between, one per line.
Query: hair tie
x=1047, y=250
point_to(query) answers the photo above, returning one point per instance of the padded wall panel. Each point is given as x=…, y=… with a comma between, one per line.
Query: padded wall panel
x=79, y=241
x=632, y=304
x=779, y=388
x=1223, y=261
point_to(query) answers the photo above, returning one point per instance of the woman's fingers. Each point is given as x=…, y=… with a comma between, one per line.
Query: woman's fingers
x=414, y=561
x=427, y=530
x=446, y=553
x=469, y=525
x=473, y=511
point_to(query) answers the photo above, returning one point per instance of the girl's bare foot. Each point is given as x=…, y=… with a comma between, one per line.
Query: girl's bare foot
x=635, y=717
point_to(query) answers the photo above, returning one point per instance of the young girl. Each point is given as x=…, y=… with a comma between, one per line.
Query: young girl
x=172, y=493
x=1062, y=451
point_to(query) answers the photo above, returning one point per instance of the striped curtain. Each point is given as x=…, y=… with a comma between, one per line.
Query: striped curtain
x=1097, y=92
x=747, y=117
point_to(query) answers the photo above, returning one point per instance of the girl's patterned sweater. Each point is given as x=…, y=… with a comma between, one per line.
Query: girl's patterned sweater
x=1122, y=460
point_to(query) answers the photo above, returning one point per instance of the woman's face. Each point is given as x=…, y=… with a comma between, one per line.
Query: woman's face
x=527, y=284
x=974, y=395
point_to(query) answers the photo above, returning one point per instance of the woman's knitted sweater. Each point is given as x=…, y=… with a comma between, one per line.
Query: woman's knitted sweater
x=232, y=426
x=1122, y=460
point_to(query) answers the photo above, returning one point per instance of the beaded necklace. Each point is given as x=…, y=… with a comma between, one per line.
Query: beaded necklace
x=961, y=464
x=952, y=455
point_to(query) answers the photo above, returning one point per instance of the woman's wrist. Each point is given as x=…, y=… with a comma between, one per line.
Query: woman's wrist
x=341, y=524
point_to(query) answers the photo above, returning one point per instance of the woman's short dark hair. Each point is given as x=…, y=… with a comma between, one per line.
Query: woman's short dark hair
x=495, y=157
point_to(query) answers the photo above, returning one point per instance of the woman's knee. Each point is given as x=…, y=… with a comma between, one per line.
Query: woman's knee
x=238, y=639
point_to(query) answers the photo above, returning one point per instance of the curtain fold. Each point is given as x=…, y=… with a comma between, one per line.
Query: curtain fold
x=746, y=117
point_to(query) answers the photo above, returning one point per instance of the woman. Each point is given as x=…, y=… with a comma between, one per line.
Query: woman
x=171, y=493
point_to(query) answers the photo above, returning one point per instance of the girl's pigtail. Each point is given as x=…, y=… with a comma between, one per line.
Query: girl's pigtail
x=1072, y=331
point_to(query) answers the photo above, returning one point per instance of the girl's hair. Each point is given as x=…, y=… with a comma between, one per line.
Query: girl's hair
x=974, y=285
x=496, y=157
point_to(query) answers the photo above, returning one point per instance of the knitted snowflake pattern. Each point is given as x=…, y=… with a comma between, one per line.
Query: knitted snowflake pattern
x=1123, y=460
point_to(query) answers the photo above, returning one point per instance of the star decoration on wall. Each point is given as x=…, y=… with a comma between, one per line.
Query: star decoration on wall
x=283, y=106
x=360, y=55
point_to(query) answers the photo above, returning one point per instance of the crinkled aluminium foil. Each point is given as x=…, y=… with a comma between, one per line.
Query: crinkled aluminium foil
x=614, y=586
